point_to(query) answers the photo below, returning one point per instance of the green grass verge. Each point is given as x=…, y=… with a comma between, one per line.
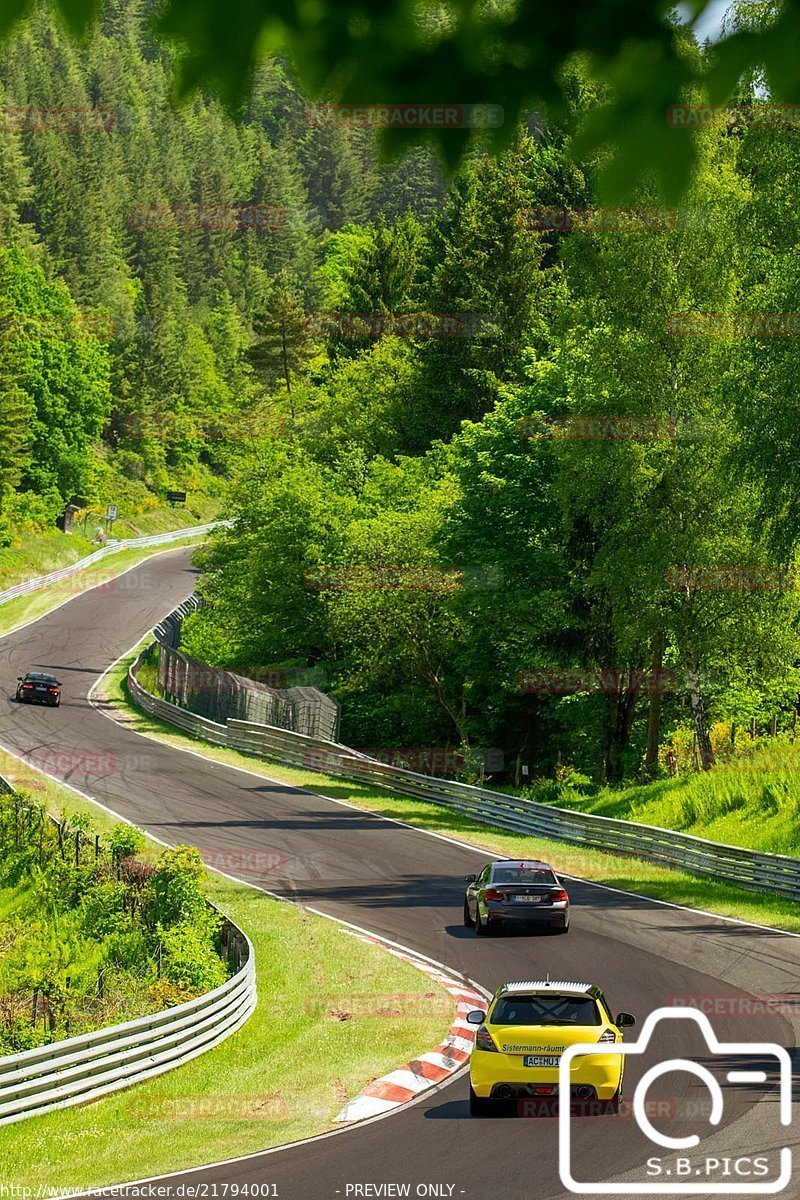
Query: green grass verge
x=36, y=553
x=199, y=511
x=752, y=802
x=333, y=1013
x=629, y=874
x=37, y=604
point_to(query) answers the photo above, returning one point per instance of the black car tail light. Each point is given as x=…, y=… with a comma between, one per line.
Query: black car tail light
x=558, y=896
x=483, y=1040
x=493, y=894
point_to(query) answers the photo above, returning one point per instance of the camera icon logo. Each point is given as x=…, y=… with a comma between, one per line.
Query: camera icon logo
x=706, y=1186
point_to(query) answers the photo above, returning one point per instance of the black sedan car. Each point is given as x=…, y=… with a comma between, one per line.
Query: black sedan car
x=38, y=688
x=516, y=892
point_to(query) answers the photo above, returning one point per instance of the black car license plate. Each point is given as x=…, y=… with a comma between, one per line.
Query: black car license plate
x=527, y=899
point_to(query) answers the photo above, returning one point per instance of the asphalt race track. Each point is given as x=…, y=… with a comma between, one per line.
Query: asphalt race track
x=407, y=885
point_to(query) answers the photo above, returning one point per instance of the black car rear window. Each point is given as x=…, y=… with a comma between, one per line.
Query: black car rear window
x=546, y=1010
x=37, y=677
x=518, y=874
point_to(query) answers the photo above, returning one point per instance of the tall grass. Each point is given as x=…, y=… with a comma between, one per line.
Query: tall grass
x=752, y=801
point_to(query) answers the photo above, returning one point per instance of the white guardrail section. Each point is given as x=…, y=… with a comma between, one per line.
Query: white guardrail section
x=91, y=1065
x=749, y=869
x=156, y=539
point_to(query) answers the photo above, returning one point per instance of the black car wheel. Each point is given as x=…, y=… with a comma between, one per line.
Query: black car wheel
x=481, y=927
x=478, y=1107
x=468, y=921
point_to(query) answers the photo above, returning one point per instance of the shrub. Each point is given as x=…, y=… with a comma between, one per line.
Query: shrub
x=130, y=464
x=188, y=959
x=125, y=842
x=35, y=510
x=79, y=949
x=104, y=912
x=166, y=994
x=128, y=950
x=175, y=888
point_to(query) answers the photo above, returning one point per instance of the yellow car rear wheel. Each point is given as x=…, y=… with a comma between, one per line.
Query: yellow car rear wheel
x=478, y=1106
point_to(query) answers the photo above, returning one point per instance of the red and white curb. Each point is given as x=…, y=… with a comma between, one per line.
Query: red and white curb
x=404, y=1084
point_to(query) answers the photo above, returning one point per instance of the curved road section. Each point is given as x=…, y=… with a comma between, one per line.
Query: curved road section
x=407, y=885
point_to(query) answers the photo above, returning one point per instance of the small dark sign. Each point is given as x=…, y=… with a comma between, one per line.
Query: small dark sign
x=176, y=497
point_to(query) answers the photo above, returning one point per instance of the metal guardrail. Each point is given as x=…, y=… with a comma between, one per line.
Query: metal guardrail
x=155, y=539
x=92, y=1065
x=301, y=749
x=222, y=695
x=753, y=870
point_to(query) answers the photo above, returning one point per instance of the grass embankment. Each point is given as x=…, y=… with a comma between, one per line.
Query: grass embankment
x=37, y=553
x=33, y=554
x=94, y=935
x=752, y=801
x=37, y=604
x=582, y=861
x=333, y=1013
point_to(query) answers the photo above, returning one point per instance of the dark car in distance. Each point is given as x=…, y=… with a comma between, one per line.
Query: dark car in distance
x=38, y=688
x=516, y=892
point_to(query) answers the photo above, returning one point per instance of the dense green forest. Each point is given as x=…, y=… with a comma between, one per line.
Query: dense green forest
x=501, y=470
x=142, y=245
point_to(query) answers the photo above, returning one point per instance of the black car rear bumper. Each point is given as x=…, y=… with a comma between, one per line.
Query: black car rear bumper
x=50, y=701
x=526, y=915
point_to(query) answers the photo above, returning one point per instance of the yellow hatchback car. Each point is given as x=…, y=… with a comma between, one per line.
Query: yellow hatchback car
x=521, y=1038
